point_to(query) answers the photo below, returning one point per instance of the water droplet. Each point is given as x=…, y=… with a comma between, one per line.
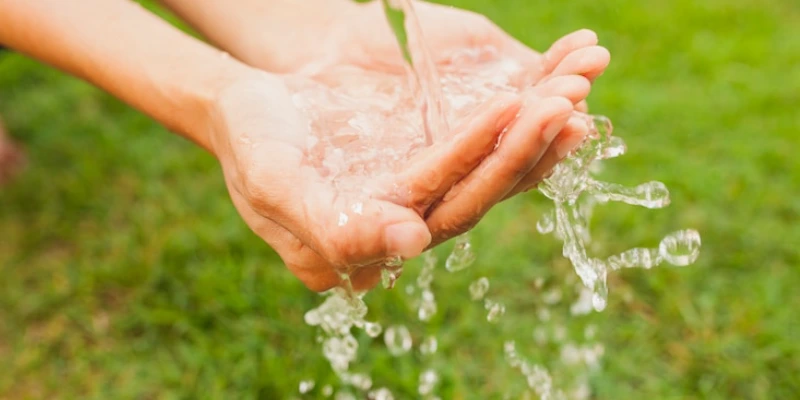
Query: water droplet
x=373, y=329
x=306, y=386
x=380, y=394
x=389, y=277
x=615, y=148
x=650, y=195
x=583, y=305
x=343, y=218
x=344, y=396
x=479, y=288
x=312, y=318
x=496, y=310
x=598, y=302
x=462, y=256
x=360, y=381
x=427, y=306
x=429, y=345
x=427, y=382
x=637, y=257
x=680, y=248
x=603, y=125
x=546, y=223
x=358, y=208
x=393, y=262
x=425, y=277
x=397, y=339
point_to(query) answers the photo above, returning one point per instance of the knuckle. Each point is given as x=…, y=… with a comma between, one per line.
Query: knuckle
x=455, y=227
x=520, y=172
x=337, y=250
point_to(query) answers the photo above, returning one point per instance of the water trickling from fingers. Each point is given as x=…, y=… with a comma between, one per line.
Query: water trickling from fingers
x=367, y=126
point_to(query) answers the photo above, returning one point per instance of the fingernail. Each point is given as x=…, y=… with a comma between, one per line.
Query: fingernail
x=406, y=239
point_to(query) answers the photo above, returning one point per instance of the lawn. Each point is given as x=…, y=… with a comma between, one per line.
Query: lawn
x=127, y=274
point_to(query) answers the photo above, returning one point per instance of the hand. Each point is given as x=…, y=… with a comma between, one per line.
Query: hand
x=360, y=36
x=326, y=34
x=259, y=138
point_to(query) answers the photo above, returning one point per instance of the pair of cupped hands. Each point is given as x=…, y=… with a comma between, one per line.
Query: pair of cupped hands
x=260, y=137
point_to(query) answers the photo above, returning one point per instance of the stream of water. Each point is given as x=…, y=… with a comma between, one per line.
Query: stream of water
x=369, y=124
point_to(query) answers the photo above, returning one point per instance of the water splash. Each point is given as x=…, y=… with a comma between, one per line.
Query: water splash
x=336, y=317
x=306, y=386
x=572, y=179
x=398, y=340
x=429, y=346
x=427, y=302
x=479, y=288
x=495, y=310
x=462, y=256
x=536, y=376
x=428, y=380
x=351, y=145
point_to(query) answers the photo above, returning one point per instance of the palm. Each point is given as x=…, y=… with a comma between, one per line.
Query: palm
x=260, y=138
x=262, y=141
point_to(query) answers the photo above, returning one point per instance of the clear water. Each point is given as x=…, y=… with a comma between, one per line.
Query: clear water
x=368, y=125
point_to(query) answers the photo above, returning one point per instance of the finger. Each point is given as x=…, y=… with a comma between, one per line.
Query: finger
x=349, y=231
x=573, y=87
x=304, y=262
x=345, y=229
x=536, y=66
x=431, y=174
x=532, y=66
x=583, y=107
x=566, y=45
x=572, y=135
x=590, y=62
x=519, y=150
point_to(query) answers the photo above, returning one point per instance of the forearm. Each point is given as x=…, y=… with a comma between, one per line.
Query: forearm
x=263, y=33
x=124, y=49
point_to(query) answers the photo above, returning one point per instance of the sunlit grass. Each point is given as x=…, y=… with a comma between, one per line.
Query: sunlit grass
x=126, y=273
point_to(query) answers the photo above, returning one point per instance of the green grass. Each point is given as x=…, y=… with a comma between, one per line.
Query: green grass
x=127, y=274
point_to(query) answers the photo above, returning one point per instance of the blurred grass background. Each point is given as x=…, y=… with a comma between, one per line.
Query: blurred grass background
x=127, y=274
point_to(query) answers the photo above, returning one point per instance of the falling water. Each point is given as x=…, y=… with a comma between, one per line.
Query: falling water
x=367, y=125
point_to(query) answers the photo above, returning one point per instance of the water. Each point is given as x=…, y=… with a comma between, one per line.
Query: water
x=462, y=256
x=367, y=126
x=398, y=340
x=479, y=288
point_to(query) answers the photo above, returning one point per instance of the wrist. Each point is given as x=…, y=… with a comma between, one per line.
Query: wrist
x=279, y=36
x=199, y=99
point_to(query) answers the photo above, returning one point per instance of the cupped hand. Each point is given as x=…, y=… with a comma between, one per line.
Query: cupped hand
x=360, y=36
x=260, y=139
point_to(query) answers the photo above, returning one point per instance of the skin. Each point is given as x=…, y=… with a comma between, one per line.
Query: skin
x=244, y=116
